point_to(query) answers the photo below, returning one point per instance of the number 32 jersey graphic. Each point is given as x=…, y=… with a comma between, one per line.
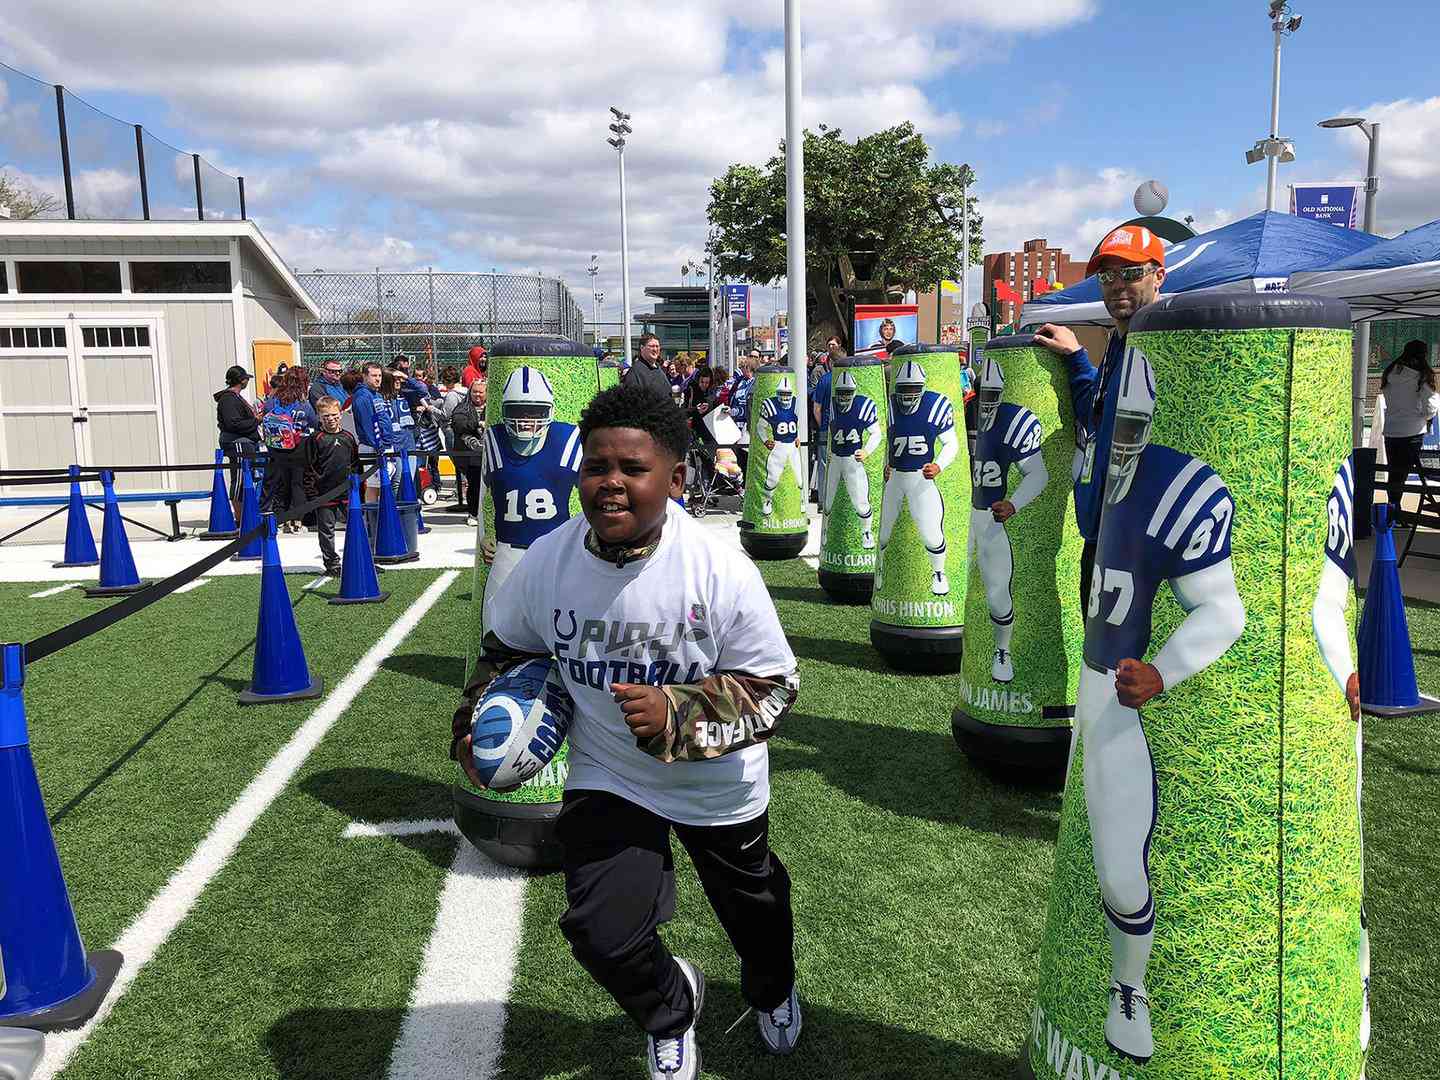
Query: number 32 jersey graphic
x=531, y=493
x=1175, y=520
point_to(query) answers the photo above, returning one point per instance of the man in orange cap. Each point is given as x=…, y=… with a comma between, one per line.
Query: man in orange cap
x=1130, y=263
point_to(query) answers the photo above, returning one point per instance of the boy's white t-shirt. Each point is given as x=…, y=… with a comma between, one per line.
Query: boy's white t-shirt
x=695, y=606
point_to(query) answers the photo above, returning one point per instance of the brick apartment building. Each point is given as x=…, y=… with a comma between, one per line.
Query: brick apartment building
x=1019, y=269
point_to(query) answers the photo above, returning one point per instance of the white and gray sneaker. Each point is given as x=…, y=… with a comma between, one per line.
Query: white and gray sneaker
x=780, y=1026
x=678, y=1058
x=1127, y=1028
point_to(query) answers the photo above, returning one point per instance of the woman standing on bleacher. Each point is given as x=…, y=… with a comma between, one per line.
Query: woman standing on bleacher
x=1408, y=386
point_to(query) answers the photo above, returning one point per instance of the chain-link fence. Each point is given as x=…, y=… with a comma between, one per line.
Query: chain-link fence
x=430, y=315
x=63, y=158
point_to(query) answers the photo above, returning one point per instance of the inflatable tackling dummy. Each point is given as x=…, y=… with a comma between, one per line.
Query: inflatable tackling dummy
x=917, y=610
x=1023, y=625
x=774, y=524
x=1205, y=918
x=854, y=478
x=538, y=388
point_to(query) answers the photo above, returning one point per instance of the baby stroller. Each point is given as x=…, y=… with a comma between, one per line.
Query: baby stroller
x=712, y=467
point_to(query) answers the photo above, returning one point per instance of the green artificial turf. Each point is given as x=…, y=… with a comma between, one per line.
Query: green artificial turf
x=919, y=891
x=920, y=886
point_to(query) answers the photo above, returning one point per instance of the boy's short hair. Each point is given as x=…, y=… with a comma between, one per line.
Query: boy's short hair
x=327, y=404
x=641, y=408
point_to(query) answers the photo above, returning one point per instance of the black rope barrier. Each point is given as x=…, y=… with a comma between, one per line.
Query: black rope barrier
x=80, y=629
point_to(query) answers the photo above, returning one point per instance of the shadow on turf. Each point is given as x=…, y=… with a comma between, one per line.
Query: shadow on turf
x=853, y=654
x=340, y=1044
x=918, y=774
x=370, y=794
x=445, y=670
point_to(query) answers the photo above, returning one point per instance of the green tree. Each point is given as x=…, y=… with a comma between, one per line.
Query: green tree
x=25, y=202
x=880, y=219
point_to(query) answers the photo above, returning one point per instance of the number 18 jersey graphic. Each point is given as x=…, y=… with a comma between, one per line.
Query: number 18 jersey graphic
x=1166, y=519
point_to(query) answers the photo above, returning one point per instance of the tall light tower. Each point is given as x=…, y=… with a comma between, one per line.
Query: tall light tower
x=621, y=128
x=592, y=270
x=1275, y=150
x=1360, y=364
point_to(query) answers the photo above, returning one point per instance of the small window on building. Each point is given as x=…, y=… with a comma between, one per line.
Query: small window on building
x=4, y=278
x=116, y=337
x=68, y=277
x=32, y=337
x=180, y=277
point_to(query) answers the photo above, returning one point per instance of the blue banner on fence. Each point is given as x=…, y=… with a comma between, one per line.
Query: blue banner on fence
x=738, y=298
x=1334, y=203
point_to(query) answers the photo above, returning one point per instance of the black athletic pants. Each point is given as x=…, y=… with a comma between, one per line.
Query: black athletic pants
x=620, y=883
x=1402, y=457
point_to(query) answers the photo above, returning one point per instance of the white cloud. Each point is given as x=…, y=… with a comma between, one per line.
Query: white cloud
x=472, y=135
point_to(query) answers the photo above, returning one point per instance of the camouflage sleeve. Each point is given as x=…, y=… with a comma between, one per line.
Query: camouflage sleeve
x=495, y=657
x=725, y=712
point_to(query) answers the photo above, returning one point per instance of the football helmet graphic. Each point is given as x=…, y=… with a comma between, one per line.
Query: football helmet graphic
x=844, y=392
x=1134, y=413
x=785, y=392
x=992, y=389
x=527, y=406
x=909, y=386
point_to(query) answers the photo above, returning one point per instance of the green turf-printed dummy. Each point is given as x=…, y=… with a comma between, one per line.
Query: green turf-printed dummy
x=1206, y=908
x=1023, y=626
x=917, y=610
x=609, y=374
x=774, y=524
x=532, y=468
x=854, y=479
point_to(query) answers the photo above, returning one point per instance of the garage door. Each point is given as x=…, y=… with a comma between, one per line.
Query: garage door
x=83, y=390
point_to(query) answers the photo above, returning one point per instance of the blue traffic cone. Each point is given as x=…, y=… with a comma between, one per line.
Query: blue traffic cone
x=222, y=517
x=280, y=672
x=249, y=516
x=409, y=492
x=50, y=982
x=79, y=540
x=390, y=545
x=359, y=582
x=117, y=566
x=1386, y=664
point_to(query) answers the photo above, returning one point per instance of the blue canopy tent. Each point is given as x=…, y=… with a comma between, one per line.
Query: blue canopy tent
x=1254, y=254
x=1394, y=279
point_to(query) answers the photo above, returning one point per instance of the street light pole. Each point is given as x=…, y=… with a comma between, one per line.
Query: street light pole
x=1272, y=162
x=592, y=270
x=621, y=127
x=1275, y=149
x=1360, y=360
x=795, y=222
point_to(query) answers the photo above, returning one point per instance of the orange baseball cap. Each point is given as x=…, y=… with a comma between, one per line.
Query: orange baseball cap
x=1133, y=243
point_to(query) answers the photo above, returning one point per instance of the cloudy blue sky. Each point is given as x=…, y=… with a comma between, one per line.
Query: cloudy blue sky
x=471, y=135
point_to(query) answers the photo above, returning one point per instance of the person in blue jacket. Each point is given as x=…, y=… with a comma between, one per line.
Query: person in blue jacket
x=1130, y=263
x=374, y=422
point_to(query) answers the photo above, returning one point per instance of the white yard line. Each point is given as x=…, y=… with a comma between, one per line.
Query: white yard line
x=316, y=583
x=191, y=586
x=456, y=1019
x=52, y=592
x=812, y=561
x=142, y=939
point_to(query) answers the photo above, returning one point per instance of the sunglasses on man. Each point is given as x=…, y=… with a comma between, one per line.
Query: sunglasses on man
x=1129, y=274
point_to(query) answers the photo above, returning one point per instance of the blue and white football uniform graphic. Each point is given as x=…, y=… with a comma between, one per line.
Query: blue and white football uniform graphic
x=1015, y=435
x=1174, y=521
x=531, y=493
x=916, y=439
x=1340, y=520
x=781, y=425
x=853, y=429
x=783, y=421
x=850, y=429
x=914, y=436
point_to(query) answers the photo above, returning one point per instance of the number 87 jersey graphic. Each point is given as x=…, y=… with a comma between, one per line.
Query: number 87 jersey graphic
x=1166, y=519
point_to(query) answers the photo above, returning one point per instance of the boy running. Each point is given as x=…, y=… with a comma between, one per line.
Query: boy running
x=671, y=648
